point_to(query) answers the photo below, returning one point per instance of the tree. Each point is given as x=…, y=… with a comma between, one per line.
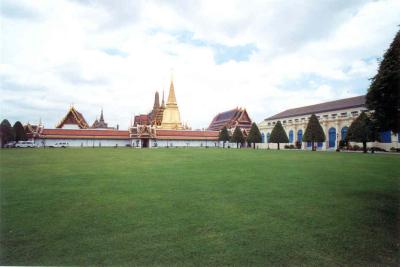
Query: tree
x=19, y=131
x=278, y=135
x=383, y=95
x=362, y=130
x=237, y=136
x=314, y=132
x=224, y=136
x=7, y=132
x=254, y=135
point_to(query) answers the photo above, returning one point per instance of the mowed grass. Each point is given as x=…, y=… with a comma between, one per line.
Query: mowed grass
x=198, y=207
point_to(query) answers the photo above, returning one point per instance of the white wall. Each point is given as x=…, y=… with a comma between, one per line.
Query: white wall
x=84, y=142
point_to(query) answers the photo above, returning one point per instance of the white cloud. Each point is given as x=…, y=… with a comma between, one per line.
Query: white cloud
x=116, y=54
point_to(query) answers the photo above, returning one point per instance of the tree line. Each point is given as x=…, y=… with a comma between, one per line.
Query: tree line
x=237, y=137
x=10, y=133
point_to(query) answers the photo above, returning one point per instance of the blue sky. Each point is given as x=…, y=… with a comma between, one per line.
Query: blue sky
x=266, y=56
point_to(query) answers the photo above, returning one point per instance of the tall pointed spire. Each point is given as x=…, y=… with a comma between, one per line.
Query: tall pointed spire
x=171, y=117
x=156, y=101
x=101, y=115
x=171, y=95
x=163, y=102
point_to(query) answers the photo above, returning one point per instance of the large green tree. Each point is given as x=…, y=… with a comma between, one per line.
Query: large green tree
x=362, y=130
x=237, y=136
x=223, y=136
x=278, y=135
x=254, y=135
x=19, y=131
x=383, y=95
x=7, y=132
x=314, y=132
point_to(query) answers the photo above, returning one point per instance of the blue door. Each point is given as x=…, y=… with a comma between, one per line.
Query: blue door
x=332, y=137
x=291, y=136
x=262, y=138
x=300, y=136
x=320, y=144
x=386, y=137
x=268, y=135
x=344, y=132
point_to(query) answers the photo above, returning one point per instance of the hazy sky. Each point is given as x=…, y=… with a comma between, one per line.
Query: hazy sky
x=266, y=56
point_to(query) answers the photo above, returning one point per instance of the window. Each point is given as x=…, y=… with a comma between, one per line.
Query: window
x=269, y=124
x=291, y=136
x=290, y=121
x=333, y=115
x=284, y=121
x=296, y=120
x=354, y=113
x=343, y=114
x=325, y=116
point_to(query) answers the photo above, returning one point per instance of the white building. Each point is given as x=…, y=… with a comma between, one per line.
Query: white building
x=335, y=117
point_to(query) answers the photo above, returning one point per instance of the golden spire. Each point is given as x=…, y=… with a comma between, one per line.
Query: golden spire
x=171, y=95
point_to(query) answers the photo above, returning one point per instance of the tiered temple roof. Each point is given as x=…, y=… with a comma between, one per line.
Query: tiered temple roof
x=73, y=117
x=231, y=119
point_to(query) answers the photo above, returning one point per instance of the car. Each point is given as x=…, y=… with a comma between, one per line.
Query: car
x=10, y=144
x=25, y=144
x=60, y=144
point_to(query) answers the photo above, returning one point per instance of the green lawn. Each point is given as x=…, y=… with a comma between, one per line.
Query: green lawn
x=198, y=207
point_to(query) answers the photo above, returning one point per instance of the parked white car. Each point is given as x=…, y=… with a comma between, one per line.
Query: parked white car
x=10, y=144
x=60, y=144
x=25, y=144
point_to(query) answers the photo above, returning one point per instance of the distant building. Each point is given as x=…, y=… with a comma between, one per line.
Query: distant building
x=100, y=124
x=335, y=118
x=231, y=119
x=73, y=120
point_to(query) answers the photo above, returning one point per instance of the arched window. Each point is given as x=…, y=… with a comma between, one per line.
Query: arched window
x=300, y=136
x=268, y=135
x=332, y=137
x=398, y=137
x=262, y=138
x=386, y=137
x=344, y=132
x=291, y=136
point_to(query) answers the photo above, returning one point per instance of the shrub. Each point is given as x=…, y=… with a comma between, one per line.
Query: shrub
x=298, y=145
x=356, y=148
x=342, y=144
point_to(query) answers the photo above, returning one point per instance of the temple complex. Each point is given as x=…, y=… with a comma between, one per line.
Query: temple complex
x=161, y=127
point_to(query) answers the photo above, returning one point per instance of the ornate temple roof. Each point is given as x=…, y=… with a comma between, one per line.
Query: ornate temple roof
x=230, y=119
x=352, y=102
x=73, y=117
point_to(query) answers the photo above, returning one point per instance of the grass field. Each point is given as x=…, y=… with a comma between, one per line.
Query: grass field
x=198, y=207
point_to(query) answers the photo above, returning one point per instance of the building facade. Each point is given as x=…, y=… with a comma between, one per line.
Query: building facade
x=335, y=118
